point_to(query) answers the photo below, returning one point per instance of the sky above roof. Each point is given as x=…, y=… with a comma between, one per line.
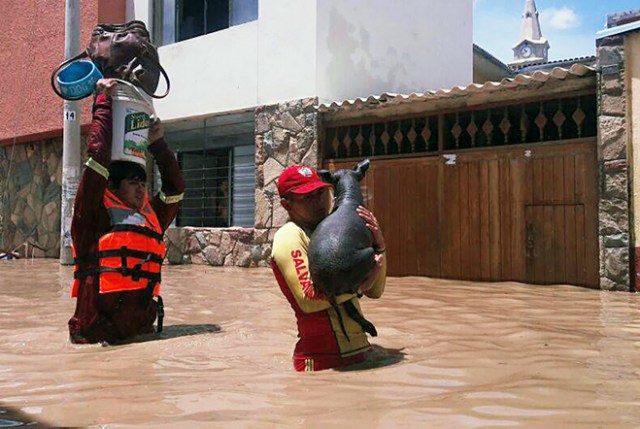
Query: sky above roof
x=570, y=26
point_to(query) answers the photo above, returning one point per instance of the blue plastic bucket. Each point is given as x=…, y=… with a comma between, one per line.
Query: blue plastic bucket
x=78, y=79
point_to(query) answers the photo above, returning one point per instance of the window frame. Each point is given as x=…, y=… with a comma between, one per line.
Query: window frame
x=166, y=26
x=231, y=134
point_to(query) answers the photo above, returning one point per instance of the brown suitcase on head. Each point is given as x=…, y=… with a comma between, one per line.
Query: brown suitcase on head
x=123, y=51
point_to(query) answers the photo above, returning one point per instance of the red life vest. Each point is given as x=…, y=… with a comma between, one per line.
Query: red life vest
x=130, y=255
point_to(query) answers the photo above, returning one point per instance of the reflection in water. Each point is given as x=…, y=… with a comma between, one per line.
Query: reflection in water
x=620, y=325
x=377, y=358
x=10, y=418
x=450, y=354
x=173, y=331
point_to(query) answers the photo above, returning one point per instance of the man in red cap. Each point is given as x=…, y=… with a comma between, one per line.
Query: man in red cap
x=322, y=344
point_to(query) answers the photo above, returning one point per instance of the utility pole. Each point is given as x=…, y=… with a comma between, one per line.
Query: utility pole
x=71, y=159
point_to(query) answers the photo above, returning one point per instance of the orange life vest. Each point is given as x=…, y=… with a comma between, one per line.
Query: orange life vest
x=130, y=255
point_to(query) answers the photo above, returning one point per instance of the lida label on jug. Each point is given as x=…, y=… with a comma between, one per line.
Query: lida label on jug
x=136, y=131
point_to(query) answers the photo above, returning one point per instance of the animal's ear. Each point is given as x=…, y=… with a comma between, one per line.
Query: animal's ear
x=362, y=168
x=326, y=176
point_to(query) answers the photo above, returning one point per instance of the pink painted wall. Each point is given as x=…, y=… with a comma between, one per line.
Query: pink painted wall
x=31, y=46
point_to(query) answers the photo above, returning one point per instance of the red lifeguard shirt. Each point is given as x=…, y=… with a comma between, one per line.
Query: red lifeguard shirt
x=322, y=344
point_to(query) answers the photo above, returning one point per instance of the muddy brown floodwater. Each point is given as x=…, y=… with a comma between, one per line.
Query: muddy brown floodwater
x=450, y=354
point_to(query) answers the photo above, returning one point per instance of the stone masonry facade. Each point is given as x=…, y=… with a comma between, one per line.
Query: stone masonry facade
x=30, y=182
x=30, y=187
x=614, y=222
x=286, y=134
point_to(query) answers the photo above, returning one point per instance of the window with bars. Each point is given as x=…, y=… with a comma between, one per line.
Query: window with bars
x=177, y=20
x=206, y=175
x=216, y=157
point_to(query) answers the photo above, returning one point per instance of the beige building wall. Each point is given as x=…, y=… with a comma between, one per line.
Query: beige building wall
x=632, y=83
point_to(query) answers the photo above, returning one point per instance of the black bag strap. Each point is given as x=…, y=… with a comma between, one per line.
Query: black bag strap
x=54, y=74
x=128, y=272
x=160, y=314
x=166, y=78
x=136, y=61
x=136, y=273
x=140, y=254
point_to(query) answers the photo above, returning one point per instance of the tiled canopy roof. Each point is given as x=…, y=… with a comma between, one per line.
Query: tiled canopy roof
x=576, y=71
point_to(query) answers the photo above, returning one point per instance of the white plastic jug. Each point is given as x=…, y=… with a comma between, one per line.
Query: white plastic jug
x=133, y=112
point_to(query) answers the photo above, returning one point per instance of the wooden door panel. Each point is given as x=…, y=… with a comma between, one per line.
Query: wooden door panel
x=466, y=256
x=515, y=213
x=476, y=219
x=450, y=226
x=494, y=220
x=409, y=216
x=561, y=216
x=518, y=193
x=556, y=241
x=485, y=233
x=475, y=249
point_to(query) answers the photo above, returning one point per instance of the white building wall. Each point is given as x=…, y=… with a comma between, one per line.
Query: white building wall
x=368, y=47
x=333, y=49
x=209, y=74
x=286, y=50
x=140, y=10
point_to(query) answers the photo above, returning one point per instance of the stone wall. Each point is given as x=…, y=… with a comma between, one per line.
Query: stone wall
x=613, y=166
x=30, y=186
x=286, y=134
x=241, y=247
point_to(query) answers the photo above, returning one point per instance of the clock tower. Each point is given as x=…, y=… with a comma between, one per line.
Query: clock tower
x=532, y=47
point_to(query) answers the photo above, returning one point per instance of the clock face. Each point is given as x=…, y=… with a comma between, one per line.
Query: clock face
x=526, y=51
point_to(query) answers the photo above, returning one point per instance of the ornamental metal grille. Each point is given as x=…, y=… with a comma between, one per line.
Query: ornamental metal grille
x=540, y=121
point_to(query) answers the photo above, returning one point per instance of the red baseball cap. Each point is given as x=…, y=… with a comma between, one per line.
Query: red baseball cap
x=299, y=179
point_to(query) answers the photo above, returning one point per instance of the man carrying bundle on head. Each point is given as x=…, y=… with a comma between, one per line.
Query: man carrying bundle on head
x=117, y=234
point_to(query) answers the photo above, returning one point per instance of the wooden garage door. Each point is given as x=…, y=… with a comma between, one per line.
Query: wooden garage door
x=527, y=213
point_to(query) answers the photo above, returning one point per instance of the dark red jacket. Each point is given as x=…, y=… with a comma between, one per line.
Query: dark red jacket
x=113, y=317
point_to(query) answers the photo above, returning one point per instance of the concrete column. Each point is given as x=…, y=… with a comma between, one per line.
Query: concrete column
x=71, y=155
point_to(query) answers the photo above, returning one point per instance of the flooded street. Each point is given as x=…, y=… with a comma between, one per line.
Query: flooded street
x=451, y=354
